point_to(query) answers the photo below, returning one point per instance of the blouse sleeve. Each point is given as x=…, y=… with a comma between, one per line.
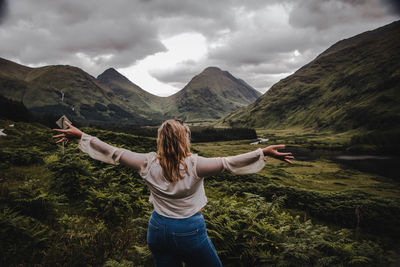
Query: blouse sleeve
x=250, y=162
x=104, y=152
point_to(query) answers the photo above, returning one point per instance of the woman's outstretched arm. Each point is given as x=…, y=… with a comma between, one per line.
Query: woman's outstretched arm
x=250, y=162
x=102, y=151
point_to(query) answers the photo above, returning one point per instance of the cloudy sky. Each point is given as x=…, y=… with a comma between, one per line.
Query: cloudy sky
x=161, y=44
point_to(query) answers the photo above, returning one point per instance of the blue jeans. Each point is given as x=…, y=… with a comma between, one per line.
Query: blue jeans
x=172, y=241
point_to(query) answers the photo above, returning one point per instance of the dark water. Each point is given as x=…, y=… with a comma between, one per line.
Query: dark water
x=384, y=165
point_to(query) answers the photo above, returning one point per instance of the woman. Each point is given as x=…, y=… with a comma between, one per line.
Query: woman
x=174, y=175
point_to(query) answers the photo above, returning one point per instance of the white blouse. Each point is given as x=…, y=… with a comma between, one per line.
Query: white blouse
x=180, y=199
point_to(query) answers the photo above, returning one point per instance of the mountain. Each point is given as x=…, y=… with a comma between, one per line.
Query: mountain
x=353, y=84
x=209, y=96
x=65, y=90
x=113, y=98
x=133, y=95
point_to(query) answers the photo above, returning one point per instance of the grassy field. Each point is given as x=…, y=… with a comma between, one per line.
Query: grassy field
x=310, y=138
x=319, y=175
x=65, y=209
x=320, y=188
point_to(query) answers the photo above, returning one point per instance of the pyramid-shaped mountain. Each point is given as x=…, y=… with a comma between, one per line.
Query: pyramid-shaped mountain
x=210, y=95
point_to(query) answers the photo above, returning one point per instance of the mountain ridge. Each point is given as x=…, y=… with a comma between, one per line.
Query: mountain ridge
x=353, y=84
x=64, y=89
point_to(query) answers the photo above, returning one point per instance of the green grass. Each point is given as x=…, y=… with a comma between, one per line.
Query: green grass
x=320, y=175
x=66, y=209
x=319, y=187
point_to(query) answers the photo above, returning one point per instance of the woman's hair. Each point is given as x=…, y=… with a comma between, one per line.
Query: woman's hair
x=173, y=146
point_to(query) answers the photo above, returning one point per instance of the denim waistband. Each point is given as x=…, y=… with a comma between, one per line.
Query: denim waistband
x=166, y=220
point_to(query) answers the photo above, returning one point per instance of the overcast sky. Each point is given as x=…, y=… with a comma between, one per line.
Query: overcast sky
x=161, y=44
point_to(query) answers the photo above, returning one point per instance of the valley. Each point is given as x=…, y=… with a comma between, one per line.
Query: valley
x=65, y=207
x=338, y=204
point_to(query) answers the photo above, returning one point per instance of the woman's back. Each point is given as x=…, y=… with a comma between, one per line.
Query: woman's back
x=180, y=199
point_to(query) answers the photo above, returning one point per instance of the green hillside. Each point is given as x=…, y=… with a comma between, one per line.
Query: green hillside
x=65, y=90
x=209, y=96
x=112, y=98
x=133, y=95
x=355, y=84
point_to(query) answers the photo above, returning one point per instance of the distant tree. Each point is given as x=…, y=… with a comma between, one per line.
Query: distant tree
x=14, y=110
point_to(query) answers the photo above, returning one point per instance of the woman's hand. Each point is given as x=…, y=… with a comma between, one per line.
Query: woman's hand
x=67, y=134
x=272, y=151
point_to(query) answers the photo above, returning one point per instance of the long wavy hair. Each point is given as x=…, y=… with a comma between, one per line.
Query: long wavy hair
x=173, y=146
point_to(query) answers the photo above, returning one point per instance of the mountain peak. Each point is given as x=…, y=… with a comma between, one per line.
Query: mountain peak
x=211, y=69
x=132, y=93
x=111, y=74
x=210, y=95
x=111, y=70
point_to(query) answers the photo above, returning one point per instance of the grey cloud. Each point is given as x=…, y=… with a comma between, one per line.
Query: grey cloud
x=180, y=74
x=253, y=43
x=207, y=17
x=204, y=9
x=266, y=52
x=263, y=47
x=326, y=14
x=264, y=62
x=392, y=6
x=119, y=34
x=3, y=10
